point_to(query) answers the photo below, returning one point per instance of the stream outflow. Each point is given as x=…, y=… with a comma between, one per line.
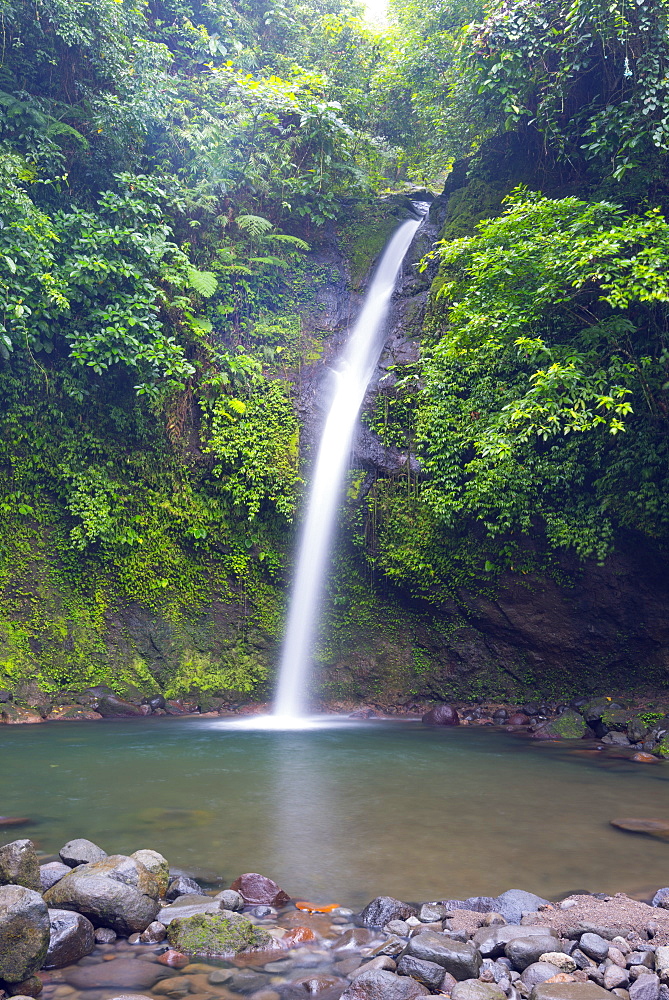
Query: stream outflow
x=351, y=379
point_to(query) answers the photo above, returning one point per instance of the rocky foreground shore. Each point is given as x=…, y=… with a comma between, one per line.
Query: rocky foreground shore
x=89, y=926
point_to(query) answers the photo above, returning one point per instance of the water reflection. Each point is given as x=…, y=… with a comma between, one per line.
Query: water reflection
x=340, y=813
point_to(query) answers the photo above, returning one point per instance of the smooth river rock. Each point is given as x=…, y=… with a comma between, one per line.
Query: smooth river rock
x=52, y=873
x=569, y=991
x=81, y=852
x=19, y=865
x=524, y=951
x=441, y=715
x=461, y=958
x=428, y=973
x=539, y=972
x=493, y=940
x=473, y=989
x=255, y=888
x=24, y=932
x=71, y=937
x=117, y=892
x=377, y=984
x=230, y=900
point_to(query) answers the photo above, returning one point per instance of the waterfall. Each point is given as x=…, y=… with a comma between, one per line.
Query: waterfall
x=355, y=369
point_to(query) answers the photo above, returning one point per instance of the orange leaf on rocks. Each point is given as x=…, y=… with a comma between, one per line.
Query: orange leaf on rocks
x=298, y=935
x=315, y=908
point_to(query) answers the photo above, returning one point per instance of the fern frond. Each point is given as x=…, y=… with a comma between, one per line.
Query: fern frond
x=204, y=282
x=254, y=225
x=294, y=241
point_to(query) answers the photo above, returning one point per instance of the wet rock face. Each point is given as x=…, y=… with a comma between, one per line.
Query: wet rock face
x=19, y=865
x=71, y=937
x=24, y=932
x=117, y=892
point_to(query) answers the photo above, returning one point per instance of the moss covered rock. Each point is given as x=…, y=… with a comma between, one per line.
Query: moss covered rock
x=216, y=934
x=568, y=726
x=24, y=932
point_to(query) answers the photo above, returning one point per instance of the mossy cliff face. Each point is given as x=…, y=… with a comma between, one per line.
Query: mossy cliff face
x=125, y=559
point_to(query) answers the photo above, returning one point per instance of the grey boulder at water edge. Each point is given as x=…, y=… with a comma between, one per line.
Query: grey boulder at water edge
x=104, y=926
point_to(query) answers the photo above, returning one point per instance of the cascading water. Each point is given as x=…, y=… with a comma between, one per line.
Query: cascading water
x=351, y=380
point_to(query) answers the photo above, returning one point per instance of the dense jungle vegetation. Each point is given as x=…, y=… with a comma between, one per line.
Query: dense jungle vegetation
x=169, y=167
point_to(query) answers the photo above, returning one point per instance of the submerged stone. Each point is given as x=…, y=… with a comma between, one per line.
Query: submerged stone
x=652, y=827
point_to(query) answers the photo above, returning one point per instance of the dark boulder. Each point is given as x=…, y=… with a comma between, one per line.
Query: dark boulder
x=117, y=892
x=255, y=889
x=110, y=706
x=462, y=959
x=524, y=951
x=428, y=973
x=24, y=932
x=383, y=909
x=19, y=865
x=441, y=715
x=71, y=937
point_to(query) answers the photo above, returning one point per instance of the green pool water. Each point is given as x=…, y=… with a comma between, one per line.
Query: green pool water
x=340, y=813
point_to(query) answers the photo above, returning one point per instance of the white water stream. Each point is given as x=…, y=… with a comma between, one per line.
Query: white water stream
x=355, y=370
